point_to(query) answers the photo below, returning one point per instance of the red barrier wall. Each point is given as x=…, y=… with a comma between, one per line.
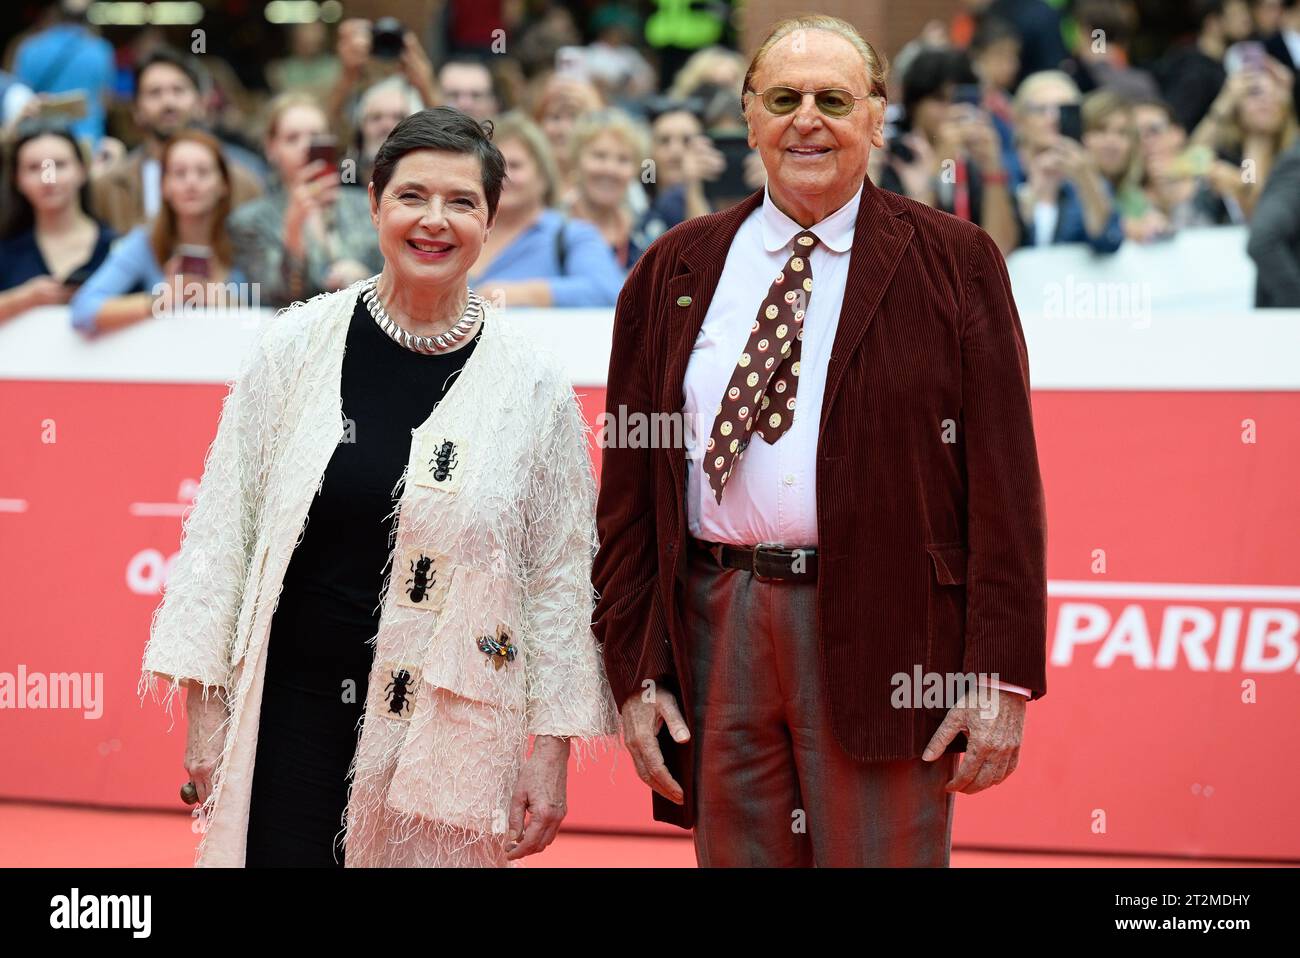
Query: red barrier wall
x=1169, y=726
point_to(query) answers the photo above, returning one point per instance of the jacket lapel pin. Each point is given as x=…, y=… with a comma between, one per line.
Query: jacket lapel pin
x=683, y=301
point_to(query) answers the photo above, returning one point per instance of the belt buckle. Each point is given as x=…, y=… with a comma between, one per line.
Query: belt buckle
x=768, y=547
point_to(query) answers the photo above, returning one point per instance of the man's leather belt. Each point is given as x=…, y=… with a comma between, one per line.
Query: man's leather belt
x=768, y=562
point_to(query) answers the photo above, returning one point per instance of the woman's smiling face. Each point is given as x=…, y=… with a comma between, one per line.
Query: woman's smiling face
x=605, y=168
x=432, y=217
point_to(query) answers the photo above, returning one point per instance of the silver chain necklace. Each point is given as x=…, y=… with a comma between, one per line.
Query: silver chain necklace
x=421, y=344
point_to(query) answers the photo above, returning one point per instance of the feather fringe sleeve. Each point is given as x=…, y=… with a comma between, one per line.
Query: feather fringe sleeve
x=193, y=628
x=568, y=694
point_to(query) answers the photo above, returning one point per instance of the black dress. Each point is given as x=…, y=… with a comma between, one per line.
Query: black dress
x=319, y=656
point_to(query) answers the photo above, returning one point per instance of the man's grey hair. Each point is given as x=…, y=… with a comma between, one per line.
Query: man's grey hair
x=877, y=67
x=412, y=96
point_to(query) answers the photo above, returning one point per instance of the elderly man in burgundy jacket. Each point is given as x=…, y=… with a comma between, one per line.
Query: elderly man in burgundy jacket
x=836, y=581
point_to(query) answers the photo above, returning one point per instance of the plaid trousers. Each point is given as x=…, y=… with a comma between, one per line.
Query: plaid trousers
x=772, y=785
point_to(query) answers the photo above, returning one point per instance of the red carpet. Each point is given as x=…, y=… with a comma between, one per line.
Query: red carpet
x=45, y=836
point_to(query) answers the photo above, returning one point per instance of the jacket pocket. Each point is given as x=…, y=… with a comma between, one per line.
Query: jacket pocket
x=949, y=562
x=476, y=647
x=460, y=769
x=946, y=607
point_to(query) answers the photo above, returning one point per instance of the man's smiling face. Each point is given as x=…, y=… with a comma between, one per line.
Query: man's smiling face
x=807, y=153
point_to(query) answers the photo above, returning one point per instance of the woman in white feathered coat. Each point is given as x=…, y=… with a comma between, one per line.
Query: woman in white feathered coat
x=484, y=608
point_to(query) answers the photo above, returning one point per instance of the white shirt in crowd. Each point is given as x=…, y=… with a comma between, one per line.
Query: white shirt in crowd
x=151, y=174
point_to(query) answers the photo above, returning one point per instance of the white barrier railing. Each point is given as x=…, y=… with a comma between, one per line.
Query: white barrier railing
x=1167, y=316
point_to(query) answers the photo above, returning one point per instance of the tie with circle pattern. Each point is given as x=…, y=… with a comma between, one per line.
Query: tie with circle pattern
x=763, y=387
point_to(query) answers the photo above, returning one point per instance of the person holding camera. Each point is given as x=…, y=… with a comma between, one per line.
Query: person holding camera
x=49, y=242
x=1064, y=198
x=950, y=158
x=1250, y=123
x=369, y=52
x=684, y=158
x=306, y=235
x=183, y=257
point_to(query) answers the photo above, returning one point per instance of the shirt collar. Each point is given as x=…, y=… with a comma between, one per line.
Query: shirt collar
x=834, y=232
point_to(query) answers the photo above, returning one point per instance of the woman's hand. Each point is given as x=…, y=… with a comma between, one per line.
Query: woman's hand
x=353, y=48
x=311, y=191
x=980, y=139
x=182, y=292
x=917, y=176
x=523, y=293
x=1150, y=226
x=540, y=792
x=44, y=291
x=1076, y=162
x=205, y=737
x=1230, y=96
x=345, y=272
x=1226, y=179
x=702, y=161
x=418, y=70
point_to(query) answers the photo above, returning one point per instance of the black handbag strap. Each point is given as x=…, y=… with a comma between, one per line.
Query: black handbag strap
x=561, y=252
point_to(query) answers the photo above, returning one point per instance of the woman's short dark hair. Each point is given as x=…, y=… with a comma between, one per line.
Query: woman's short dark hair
x=443, y=128
x=21, y=217
x=991, y=30
x=928, y=76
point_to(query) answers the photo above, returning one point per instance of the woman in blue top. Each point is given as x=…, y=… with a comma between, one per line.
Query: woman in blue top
x=535, y=256
x=607, y=150
x=49, y=243
x=144, y=273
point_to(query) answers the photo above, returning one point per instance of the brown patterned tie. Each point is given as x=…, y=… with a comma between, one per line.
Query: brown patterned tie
x=766, y=379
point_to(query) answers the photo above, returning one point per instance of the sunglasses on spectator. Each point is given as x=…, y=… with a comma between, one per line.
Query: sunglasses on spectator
x=1042, y=109
x=832, y=102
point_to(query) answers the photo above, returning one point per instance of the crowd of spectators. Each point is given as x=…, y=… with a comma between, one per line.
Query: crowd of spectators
x=1026, y=117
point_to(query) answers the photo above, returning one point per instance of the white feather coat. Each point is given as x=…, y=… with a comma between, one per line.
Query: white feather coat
x=510, y=531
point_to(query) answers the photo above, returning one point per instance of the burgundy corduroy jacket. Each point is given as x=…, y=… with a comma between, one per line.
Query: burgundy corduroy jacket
x=930, y=513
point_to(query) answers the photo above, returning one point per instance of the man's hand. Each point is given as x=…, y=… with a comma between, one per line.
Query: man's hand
x=641, y=723
x=993, y=740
